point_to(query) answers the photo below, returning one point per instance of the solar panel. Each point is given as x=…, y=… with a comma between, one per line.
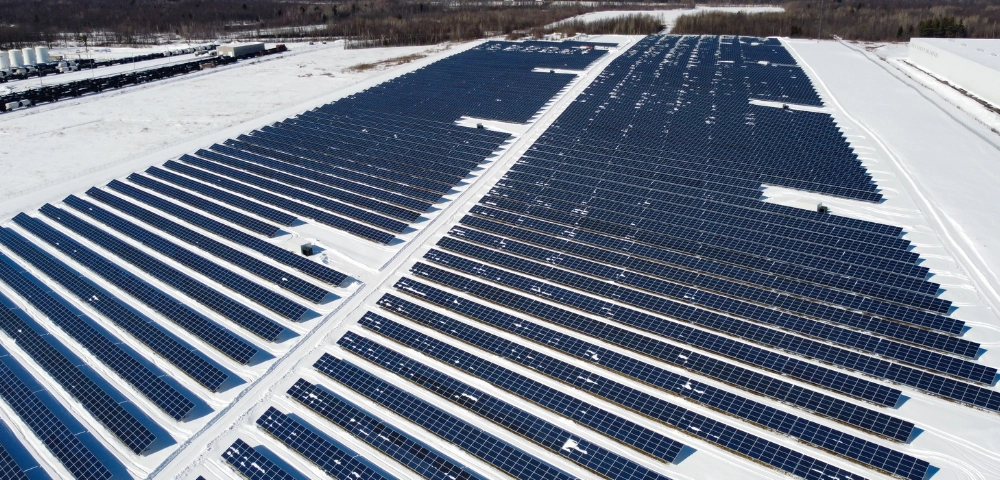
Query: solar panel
x=759, y=357
x=54, y=434
x=243, y=220
x=805, y=430
x=46, y=351
x=252, y=465
x=353, y=183
x=241, y=202
x=899, y=294
x=925, y=381
x=705, y=273
x=791, y=321
x=283, y=202
x=261, y=269
x=10, y=447
x=208, y=268
x=300, y=437
x=182, y=356
x=226, y=342
x=237, y=312
x=386, y=438
x=375, y=204
x=101, y=344
x=276, y=253
x=818, y=403
x=536, y=429
x=450, y=428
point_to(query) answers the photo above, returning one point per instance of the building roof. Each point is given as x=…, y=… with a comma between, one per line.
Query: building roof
x=984, y=51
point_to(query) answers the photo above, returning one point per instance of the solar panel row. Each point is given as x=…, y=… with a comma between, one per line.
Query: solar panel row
x=101, y=344
x=855, y=448
x=300, y=437
x=532, y=427
x=251, y=464
x=759, y=357
x=211, y=298
x=623, y=430
x=748, y=263
x=792, y=318
x=55, y=435
x=387, y=439
x=261, y=269
x=706, y=274
x=925, y=381
x=46, y=351
x=282, y=201
x=818, y=403
x=313, y=269
x=243, y=220
x=231, y=345
x=466, y=436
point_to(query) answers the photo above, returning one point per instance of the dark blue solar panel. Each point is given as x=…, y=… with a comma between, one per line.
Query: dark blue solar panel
x=759, y=357
x=534, y=428
x=277, y=276
x=226, y=342
x=389, y=440
x=243, y=220
x=741, y=309
x=840, y=410
x=184, y=357
x=227, y=307
x=48, y=428
x=15, y=462
x=101, y=344
x=208, y=268
x=925, y=381
x=252, y=465
x=355, y=183
x=283, y=202
x=281, y=188
x=376, y=204
x=238, y=201
x=46, y=351
x=702, y=272
x=272, y=251
x=452, y=429
x=772, y=418
x=335, y=461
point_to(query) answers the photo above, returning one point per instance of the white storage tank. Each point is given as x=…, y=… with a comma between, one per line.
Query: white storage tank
x=15, y=58
x=4, y=61
x=28, y=55
x=42, y=54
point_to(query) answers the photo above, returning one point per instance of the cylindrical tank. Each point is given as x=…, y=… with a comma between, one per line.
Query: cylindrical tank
x=42, y=54
x=28, y=55
x=4, y=61
x=15, y=58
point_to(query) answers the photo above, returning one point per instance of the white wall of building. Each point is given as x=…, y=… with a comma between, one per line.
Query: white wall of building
x=981, y=77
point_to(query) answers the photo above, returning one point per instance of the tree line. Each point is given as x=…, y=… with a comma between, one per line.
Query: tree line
x=364, y=22
x=872, y=20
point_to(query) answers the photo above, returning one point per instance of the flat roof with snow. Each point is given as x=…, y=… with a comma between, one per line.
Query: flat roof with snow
x=984, y=51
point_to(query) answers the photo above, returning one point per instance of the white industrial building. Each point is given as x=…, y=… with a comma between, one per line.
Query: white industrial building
x=970, y=64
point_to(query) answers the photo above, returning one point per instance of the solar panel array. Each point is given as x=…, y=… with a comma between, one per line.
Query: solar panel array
x=631, y=233
x=618, y=301
x=174, y=269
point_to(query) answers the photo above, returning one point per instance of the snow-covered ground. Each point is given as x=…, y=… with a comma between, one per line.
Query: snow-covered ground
x=89, y=140
x=669, y=17
x=938, y=170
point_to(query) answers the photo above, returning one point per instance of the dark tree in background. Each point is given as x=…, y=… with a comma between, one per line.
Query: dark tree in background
x=871, y=20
